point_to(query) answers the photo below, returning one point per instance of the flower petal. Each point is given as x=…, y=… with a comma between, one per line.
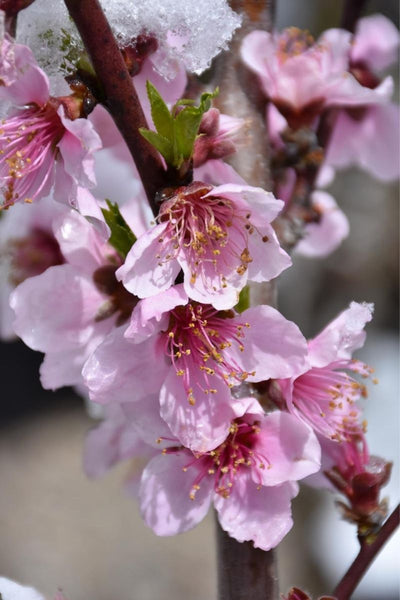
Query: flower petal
x=119, y=371
x=164, y=495
x=201, y=426
x=258, y=514
x=143, y=274
x=291, y=447
x=342, y=336
x=272, y=345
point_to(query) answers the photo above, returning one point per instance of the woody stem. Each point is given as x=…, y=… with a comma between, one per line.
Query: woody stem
x=365, y=557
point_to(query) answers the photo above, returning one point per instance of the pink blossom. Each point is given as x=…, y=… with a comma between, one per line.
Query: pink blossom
x=220, y=237
x=367, y=137
x=302, y=77
x=69, y=309
x=27, y=248
x=322, y=238
x=376, y=43
x=200, y=355
x=325, y=395
x=43, y=144
x=249, y=478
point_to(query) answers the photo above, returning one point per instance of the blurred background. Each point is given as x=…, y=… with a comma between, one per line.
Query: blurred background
x=58, y=529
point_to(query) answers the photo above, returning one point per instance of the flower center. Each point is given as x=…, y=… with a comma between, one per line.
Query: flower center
x=28, y=143
x=210, y=231
x=238, y=451
x=120, y=300
x=293, y=42
x=32, y=255
x=327, y=398
x=197, y=342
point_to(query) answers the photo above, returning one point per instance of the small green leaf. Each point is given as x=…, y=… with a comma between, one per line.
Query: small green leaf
x=159, y=112
x=176, y=129
x=187, y=124
x=205, y=99
x=122, y=237
x=244, y=300
x=162, y=144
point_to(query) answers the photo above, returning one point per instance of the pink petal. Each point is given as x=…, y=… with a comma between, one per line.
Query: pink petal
x=217, y=172
x=204, y=425
x=23, y=80
x=261, y=515
x=101, y=450
x=164, y=495
x=264, y=204
x=272, y=345
x=119, y=371
x=269, y=259
x=88, y=206
x=149, y=312
x=208, y=290
x=376, y=42
x=291, y=447
x=320, y=239
x=54, y=311
x=143, y=274
x=370, y=143
x=342, y=336
x=80, y=244
x=77, y=146
x=62, y=368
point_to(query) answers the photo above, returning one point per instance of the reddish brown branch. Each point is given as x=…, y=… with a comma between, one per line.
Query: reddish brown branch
x=351, y=13
x=365, y=557
x=121, y=98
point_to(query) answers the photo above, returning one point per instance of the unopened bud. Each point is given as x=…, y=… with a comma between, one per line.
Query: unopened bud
x=217, y=138
x=297, y=594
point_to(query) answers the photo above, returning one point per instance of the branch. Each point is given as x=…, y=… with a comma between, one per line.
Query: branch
x=351, y=13
x=121, y=98
x=10, y=24
x=365, y=557
x=244, y=571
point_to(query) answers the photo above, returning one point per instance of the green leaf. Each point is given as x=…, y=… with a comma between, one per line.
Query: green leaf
x=176, y=131
x=122, y=237
x=159, y=112
x=205, y=99
x=162, y=144
x=244, y=300
x=187, y=124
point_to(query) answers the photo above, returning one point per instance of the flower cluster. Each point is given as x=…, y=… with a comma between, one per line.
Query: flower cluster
x=328, y=109
x=148, y=315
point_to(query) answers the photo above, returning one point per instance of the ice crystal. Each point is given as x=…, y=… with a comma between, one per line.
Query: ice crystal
x=188, y=30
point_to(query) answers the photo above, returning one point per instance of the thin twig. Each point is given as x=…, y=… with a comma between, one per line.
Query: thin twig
x=365, y=557
x=120, y=95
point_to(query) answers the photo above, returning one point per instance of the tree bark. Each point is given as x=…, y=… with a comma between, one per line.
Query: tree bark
x=246, y=572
